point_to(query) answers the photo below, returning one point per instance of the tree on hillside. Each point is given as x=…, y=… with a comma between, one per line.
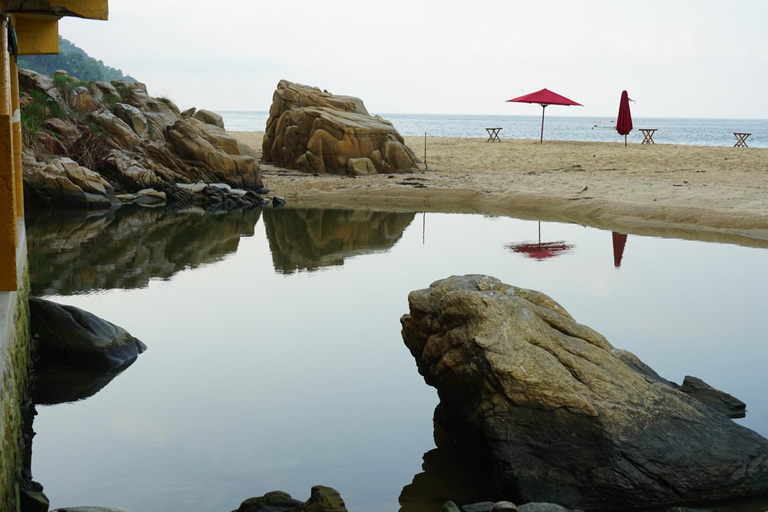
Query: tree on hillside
x=75, y=62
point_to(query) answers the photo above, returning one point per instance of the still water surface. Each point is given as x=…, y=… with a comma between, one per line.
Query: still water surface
x=275, y=359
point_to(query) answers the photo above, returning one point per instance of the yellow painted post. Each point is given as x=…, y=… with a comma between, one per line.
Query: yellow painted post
x=16, y=134
x=8, y=234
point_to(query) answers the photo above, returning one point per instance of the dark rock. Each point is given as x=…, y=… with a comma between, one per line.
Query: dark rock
x=541, y=507
x=69, y=335
x=277, y=201
x=322, y=499
x=34, y=501
x=58, y=384
x=485, y=506
x=557, y=417
x=502, y=506
x=716, y=399
x=450, y=506
x=275, y=501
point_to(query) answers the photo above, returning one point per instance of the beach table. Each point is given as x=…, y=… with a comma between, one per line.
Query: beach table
x=493, y=134
x=741, y=139
x=648, y=135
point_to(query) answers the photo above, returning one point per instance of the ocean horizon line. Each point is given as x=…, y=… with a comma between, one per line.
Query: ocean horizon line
x=536, y=116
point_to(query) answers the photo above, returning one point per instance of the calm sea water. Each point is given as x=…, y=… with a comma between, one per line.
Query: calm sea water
x=695, y=132
x=275, y=359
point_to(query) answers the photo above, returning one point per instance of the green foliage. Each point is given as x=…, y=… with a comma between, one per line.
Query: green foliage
x=123, y=90
x=33, y=115
x=75, y=62
x=110, y=100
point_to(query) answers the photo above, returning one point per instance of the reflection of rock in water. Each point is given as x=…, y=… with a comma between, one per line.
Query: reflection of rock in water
x=72, y=252
x=447, y=475
x=58, y=384
x=304, y=239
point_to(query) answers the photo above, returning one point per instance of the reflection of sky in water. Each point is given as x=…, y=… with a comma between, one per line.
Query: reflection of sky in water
x=256, y=381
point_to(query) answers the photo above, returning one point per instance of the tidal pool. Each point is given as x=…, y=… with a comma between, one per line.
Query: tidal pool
x=275, y=359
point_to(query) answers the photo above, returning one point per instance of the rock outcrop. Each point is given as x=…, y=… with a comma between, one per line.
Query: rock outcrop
x=70, y=336
x=557, y=417
x=322, y=499
x=314, y=131
x=122, y=140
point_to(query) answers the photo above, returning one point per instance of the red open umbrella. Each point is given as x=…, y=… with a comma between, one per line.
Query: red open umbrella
x=545, y=98
x=624, y=121
x=540, y=250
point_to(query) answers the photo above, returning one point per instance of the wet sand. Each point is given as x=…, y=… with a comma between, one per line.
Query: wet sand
x=722, y=191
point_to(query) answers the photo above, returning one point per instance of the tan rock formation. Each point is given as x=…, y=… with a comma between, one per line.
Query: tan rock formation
x=133, y=117
x=209, y=117
x=315, y=131
x=80, y=99
x=141, y=141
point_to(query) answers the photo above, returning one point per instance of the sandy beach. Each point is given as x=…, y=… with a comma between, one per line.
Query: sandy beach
x=717, y=192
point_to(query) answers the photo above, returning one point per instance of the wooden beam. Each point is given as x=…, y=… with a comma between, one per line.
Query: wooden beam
x=37, y=35
x=91, y=9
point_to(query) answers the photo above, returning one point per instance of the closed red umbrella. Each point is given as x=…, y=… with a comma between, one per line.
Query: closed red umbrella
x=619, y=242
x=545, y=98
x=624, y=121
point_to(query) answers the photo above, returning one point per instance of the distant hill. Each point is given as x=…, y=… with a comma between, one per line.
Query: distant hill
x=75, y=62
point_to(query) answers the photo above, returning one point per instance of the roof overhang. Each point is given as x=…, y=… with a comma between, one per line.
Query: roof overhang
x=90, y=9
x=37, y=21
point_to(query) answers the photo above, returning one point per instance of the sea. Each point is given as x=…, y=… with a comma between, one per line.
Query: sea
x=688, y=132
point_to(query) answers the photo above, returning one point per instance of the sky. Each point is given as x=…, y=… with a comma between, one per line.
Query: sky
x=676, y=58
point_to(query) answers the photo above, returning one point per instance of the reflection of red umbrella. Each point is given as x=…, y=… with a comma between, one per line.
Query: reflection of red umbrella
x=619, y=241
x=544, y=97
x=541, y=251
x=624, y=121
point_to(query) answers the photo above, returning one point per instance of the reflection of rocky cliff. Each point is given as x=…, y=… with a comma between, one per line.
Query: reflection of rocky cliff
x=125, y=248
x=304, y=239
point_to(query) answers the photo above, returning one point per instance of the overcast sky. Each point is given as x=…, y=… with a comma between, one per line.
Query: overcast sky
x=676, y=58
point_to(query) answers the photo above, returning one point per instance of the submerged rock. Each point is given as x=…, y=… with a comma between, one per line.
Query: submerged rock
x=322, y=499
x=557, y=417
x=69, y=335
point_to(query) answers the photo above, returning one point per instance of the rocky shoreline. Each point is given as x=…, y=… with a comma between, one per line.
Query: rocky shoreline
x=99, y=145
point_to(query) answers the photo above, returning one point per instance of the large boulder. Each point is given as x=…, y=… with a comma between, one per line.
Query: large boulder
x=315, y=131
x=70, y=336
x=557, y=416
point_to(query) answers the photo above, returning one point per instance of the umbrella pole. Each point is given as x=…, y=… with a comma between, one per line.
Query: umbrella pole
x=625, y=139
x=543, y=106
